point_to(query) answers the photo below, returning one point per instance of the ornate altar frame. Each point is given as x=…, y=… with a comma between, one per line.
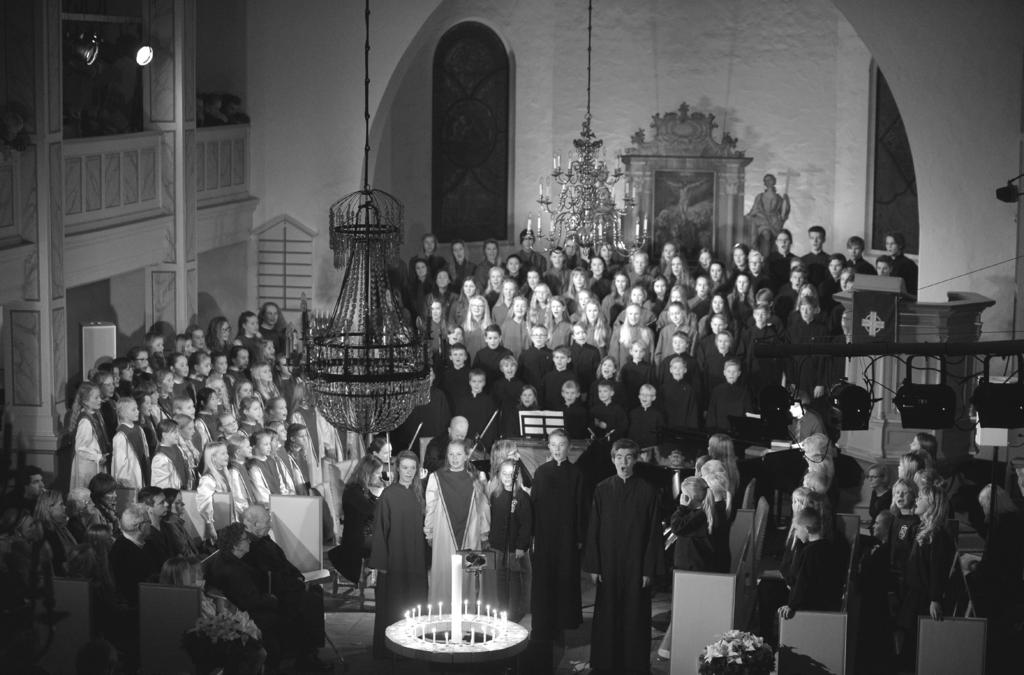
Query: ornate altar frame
x=688, y=185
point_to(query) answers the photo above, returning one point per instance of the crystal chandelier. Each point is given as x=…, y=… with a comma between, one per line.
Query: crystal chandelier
x=586, y=210
x=366, y=369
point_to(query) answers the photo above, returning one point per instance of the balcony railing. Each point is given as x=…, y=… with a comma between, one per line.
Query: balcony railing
x=222, y=163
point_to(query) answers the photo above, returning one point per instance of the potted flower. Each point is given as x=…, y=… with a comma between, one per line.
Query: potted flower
x=228, y=640
x=736, y=652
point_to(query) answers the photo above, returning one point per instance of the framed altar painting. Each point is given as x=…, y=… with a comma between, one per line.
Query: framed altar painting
x=684, y=210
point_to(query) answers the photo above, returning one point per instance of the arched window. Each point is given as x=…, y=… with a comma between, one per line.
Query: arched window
x=894, y=189
x=470, y=143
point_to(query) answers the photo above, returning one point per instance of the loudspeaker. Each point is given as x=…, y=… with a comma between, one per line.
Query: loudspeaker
x=99, y=344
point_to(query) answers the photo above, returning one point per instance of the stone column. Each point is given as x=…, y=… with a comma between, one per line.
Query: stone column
x=169, y=105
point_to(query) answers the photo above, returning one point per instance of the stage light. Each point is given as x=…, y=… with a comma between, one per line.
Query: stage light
x=852, y=404
x=1000, y=405
x=775, y=404
x=926, y=406
x=144, y=55
x=86, y=47
x=1009, y=193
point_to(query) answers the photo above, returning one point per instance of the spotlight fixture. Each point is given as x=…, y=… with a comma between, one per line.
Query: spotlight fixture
x=1009, y=193
x=852, y=404
x=144, y=55
x=87, y=47
x=926, y=406
x=1000, y=405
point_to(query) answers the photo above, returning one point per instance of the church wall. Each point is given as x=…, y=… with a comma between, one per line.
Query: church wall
x=222, y=285
x=791, y=85
x=221, y=48
x=119, y=300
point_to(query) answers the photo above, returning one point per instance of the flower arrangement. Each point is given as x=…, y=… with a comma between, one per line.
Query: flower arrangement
x=222, y=639
x=736, y=652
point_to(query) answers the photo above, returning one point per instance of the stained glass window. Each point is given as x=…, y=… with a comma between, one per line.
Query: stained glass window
x=894, y=207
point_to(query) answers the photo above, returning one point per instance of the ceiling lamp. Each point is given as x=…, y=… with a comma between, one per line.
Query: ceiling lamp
x=926, y=406
x=586, y=209
x=366, y=368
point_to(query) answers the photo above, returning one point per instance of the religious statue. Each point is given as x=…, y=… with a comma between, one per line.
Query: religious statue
x=768, y=214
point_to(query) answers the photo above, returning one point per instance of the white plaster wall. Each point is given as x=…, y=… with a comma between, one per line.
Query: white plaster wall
x=220, y=47
x=790, y=82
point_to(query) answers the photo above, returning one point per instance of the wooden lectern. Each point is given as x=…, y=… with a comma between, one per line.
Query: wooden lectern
x=956, y=320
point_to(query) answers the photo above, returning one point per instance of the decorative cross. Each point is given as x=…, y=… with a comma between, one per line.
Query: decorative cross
x=873, y=324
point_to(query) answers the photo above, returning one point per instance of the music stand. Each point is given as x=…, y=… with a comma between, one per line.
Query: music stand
x=540, y=422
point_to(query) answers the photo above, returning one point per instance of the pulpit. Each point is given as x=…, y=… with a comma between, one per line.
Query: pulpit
x=956, y=320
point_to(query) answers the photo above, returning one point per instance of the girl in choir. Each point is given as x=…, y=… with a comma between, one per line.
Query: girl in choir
x=476, y=321
x=659, y=295
x=741, y=300
x=714, y=474
x=596, y=326
x=507, y=450
x=511, y=538
x=598, y=281
x=442, y=291
x=491, y=257
x=262, y=377
x=912, y=462
x=492, y=284
x=421, y=286
x=679, y=273
x=248, y=334
x=90, y=456
x=928, y=565
x=719, y=306
x=398, y=550
x=177, y=363
x=631, y=332
x=459, y=309
x=243, y=389
x=557, y=323
x=700, y=302
x=677, y=318
x=243, y=492
x=691, y=526
x=720, y=447
x=276, y=410
x=215, y=480
x=104, y=379
x=502, y=309
x=539, y=303
x=577, y=285
x=617, y=298
x=664, y=264
x=515, y=331
x=904, y=526
x=434, y=327
x=218, y=335
x=528, y=399
x=165, y=393
x=252, y=419
x=607, y=372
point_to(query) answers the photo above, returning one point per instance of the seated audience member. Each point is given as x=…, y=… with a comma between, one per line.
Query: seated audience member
x=103, y=494
x=52, y=517
x=996, y=577
x=188, y=572
x=818, y=569
x=156, y=545
x=301, y=608
x=28, y=486
x=179, y=541
x=130, y=563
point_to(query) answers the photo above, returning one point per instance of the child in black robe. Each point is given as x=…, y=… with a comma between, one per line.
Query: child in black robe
x=678, y=398
x=608, y=419
x=635, y=374
x=573, y=411
x=646, y=421
x=536, y=360
x=551, y=384
x=505, y=393
x=488, y=358
x=728, y=398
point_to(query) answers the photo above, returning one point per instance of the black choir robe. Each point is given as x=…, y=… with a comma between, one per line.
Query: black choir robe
x=679, y=401
x=807, y=372
x=435, y=415
x=557, y=496
x=455, y=384
x=585, y=360
x=613, y=416
x=550, y=392
x=534, y=364
x=489, y=361
x=478, y=411
x=623, y=546
x=727, y=399
x=505, y=393
x=634, y=376
x=575, y=418
x=645, y=426
x=400, y=548
x=818, y=570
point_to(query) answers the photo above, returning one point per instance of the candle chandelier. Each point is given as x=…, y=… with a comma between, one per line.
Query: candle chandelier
x=586, y=210
x=366, y=368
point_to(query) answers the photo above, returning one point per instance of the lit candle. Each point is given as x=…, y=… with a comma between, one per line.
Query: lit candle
x=433, y=633
x=465, y=606
x=488, y=611
x=440, y=611
x=447, y=638
x=418, y=610
x=540, y=189
x=504, y=618
x=638, y=228
x=456, y=596
x=645, y=226
x=478, y=608
x=430, y=611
